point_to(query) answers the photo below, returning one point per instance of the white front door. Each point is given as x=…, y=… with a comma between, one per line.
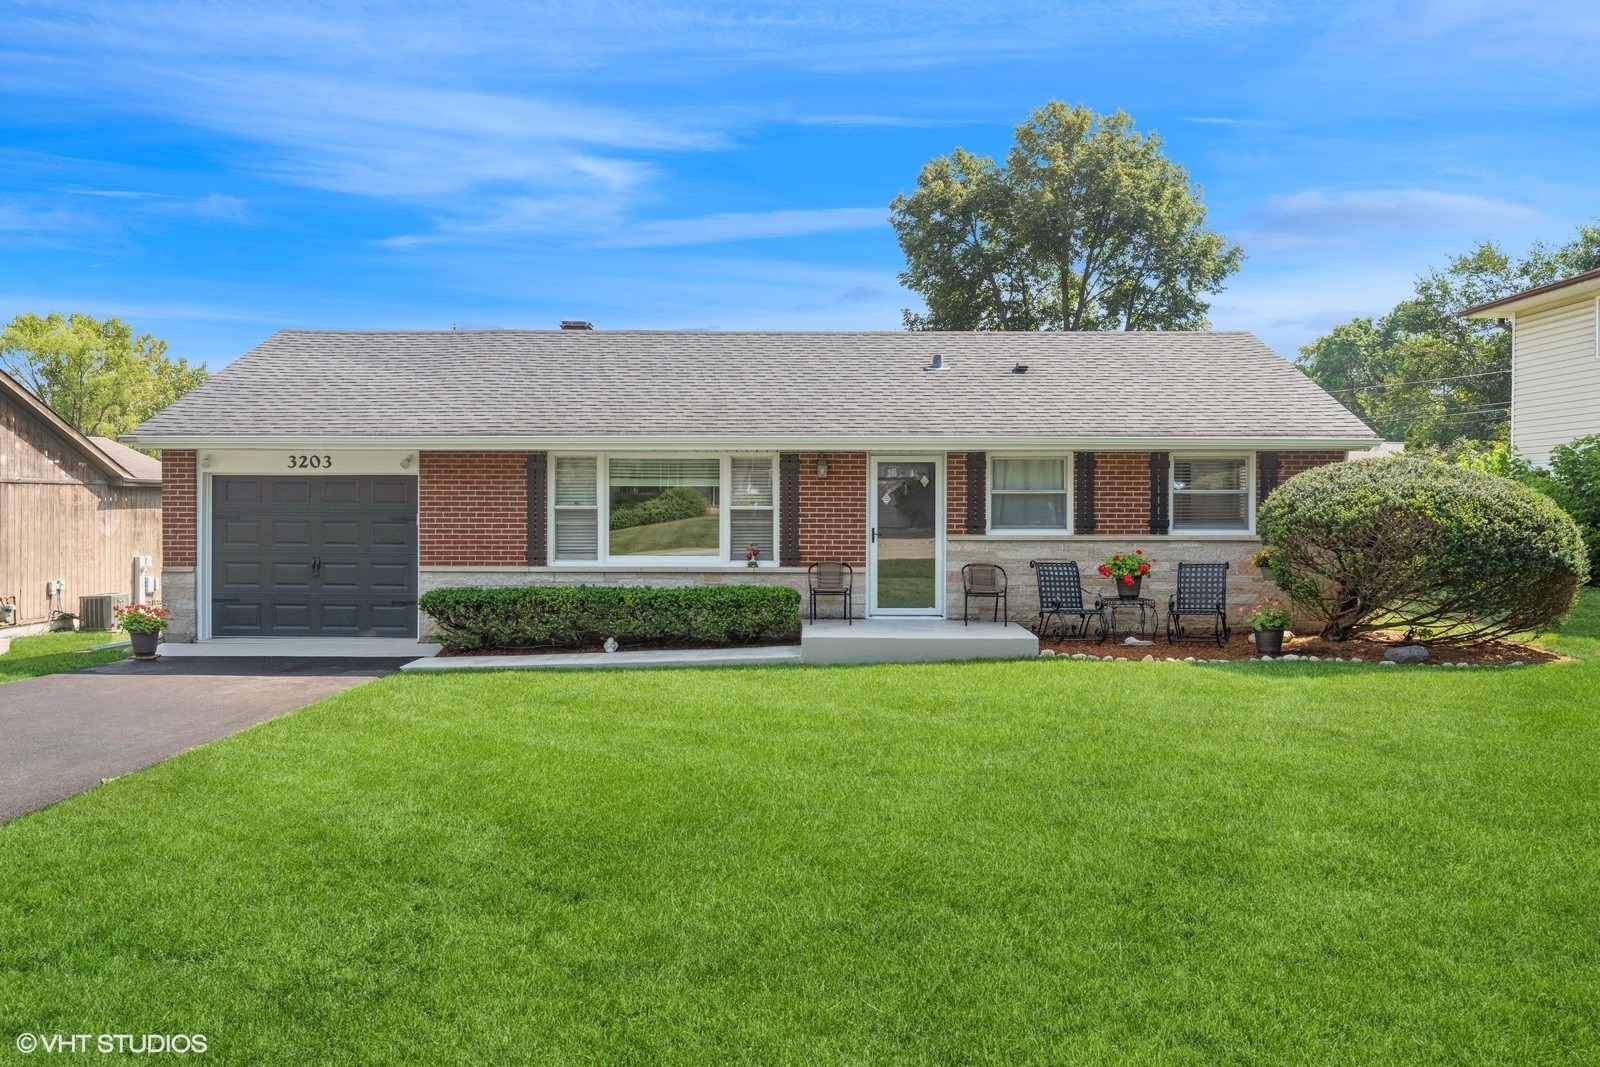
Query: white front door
x=905, y=536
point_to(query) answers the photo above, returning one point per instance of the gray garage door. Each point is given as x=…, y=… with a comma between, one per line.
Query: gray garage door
x=314, y=557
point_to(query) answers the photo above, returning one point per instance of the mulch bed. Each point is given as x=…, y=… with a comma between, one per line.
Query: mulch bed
x=1369, y=649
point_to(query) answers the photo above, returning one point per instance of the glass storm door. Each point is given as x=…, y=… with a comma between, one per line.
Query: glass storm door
x=904, y=557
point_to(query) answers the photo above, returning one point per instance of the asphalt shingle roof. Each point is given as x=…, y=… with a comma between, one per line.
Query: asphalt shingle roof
x=623, y=383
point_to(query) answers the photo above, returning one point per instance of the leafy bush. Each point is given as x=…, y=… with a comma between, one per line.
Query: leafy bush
x=577, y=616
x=1574, y=483
x=1424, y=545
x=679, y=502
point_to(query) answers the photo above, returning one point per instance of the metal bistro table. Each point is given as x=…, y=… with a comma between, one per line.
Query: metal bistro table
x=1137, y=613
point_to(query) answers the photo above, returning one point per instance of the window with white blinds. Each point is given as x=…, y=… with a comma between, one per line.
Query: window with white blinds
x=661, y=508
x=1210, y=493
x=575, y=501
x=751, y=508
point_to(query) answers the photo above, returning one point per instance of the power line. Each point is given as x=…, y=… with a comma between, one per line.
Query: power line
x=1420, y=381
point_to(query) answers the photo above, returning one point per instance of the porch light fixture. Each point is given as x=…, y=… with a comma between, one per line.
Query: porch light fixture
x=405, y=464
x=822, y=467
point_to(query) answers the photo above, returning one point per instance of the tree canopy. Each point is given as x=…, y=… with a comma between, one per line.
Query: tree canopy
x=96, y=375
x=1087, y=225
x=1424, y=375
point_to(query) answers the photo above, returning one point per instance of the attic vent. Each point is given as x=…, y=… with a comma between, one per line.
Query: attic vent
x=935, y=363
x=1019, y=368
x=576, y=324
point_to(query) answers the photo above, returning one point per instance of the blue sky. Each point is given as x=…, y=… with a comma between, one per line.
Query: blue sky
x=213, y=172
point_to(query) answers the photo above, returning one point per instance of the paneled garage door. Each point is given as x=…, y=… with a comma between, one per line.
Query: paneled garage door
x=313, y=557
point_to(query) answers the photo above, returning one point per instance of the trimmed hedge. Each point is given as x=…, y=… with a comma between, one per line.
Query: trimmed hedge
x=577, y=616
x=676, y=503
x=1425, y=546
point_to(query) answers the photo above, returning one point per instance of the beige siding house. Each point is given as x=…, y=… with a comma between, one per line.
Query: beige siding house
x=84, y=512
x=1555, y=363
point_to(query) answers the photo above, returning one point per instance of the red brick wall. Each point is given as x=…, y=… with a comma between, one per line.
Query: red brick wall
x=833, y=510
x=177, y=508
x=955, y=493
x=1292, y=463
x=1122, y=493
x=472, y=509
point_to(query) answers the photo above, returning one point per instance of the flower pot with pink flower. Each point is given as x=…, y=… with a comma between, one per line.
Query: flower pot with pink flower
x=143, y=624
x=1127, y=570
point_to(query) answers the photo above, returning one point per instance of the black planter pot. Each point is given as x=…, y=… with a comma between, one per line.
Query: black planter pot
x=144, y=645
x=1269, y=642
x=1129, y=592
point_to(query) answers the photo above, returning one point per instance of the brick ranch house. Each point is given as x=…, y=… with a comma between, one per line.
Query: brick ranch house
x=320, y=482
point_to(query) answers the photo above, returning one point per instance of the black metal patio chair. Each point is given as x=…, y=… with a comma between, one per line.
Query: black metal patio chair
x=984, y=580
x=1202, y=591
x=832, y=579
x=1061, y=595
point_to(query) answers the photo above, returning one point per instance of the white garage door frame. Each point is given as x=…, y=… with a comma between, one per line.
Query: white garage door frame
x=276, y=462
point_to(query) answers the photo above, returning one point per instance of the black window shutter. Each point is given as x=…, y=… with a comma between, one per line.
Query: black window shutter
x=977, y=492
x=538, y=497
x=1267, y=472
x=1160, y=465
x=789, y=509
x=1083, y=492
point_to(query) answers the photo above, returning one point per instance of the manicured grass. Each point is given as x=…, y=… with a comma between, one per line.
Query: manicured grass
x=905, y=583
x=680, y=536
x=31, y=657
x=1043, y=861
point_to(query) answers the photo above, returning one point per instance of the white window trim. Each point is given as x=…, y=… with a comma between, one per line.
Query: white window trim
x=1250, y=495
x=603, y=557
x=1067, y=472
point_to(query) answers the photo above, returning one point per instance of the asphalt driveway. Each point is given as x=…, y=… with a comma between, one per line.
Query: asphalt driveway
x=64, y=733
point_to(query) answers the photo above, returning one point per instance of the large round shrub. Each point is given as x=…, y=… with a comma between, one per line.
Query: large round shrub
x=1423, y=545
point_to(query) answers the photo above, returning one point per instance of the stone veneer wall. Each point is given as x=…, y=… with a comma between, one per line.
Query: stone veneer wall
x=1246, y=586
x=178, y=596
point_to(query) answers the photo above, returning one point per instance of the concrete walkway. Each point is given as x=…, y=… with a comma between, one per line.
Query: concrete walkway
x=555, y=661
x=63, y=733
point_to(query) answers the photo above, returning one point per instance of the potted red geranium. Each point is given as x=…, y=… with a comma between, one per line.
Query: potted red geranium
x=143, y=623
x=1128, y=571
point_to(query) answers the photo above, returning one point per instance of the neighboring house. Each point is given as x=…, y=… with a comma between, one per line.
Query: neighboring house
x=84, y=511
x=319, y=482
x=1555, y=362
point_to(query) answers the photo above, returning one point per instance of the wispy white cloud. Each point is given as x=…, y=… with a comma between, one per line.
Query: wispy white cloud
x=1320, y=219
x=746, y=226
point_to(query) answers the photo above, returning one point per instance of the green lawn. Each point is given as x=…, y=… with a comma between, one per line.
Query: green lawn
x=680, y=536
x=1043, y=861
x=30, y=657
x=905, y=583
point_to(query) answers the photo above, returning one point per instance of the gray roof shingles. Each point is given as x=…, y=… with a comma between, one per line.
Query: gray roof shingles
x=623, y=383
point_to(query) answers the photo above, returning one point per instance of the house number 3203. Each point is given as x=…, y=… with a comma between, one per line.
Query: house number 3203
x=302, y=462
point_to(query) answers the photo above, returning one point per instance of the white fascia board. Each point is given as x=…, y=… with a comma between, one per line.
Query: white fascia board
x=1511, y=309
x=762, y=444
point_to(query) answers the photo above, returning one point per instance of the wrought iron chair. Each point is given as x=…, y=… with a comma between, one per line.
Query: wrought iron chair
x=832, y=579
x=1202, y=590
x=1061, y=595
x=984, y=580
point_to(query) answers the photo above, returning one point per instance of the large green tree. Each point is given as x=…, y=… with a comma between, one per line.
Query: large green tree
x=1087, y=225
x=96, y=375
x=1424, y=375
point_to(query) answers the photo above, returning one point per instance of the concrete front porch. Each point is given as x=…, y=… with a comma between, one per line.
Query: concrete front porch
x=912, y=641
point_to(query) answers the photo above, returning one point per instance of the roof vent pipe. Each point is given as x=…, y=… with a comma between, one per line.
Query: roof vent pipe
x=935, y=363
x=576, y=324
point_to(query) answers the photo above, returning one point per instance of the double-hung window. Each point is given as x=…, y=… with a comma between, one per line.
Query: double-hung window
x=1028, y=494
x=1210, y=493
x=663, y=509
